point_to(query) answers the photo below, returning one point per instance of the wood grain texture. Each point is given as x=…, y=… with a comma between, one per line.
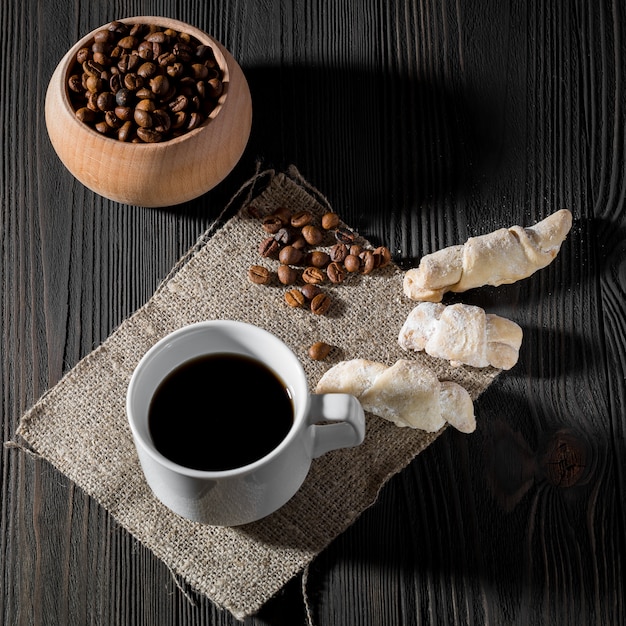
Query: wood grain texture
x=423, y=123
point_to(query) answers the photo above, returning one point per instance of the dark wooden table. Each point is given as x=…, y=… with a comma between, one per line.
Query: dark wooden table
x=423, y=123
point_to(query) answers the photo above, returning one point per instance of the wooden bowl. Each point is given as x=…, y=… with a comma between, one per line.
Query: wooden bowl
x=152, y=174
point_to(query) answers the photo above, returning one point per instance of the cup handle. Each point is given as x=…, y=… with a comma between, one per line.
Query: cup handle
x=347, y=422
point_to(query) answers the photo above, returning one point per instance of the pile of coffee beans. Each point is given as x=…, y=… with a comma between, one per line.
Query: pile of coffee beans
x=311, y=253
x=142, y=83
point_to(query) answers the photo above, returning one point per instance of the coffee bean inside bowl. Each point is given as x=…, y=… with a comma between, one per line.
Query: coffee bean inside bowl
x=144, y=83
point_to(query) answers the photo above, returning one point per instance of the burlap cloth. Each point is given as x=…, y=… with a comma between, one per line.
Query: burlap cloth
x=80, y=424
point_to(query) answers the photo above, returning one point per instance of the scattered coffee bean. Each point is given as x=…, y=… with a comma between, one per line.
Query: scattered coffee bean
x=269, y=247
x=272, y=224
x=320, y=304
x=299, y=242
x=259, y=275
x=335, y=272
x=383, y=255
x=345, y=235
x=318, y=258
x=284, y=214
x=330, y=220
x=287, y=275
x=339, y=252
x=290, y=240
x=352, y=263
x=368, y=262
x=284, y=236
x=290, y=256
x=310, y=291
x=312, y=234
x=301, y=218
x=313, y=275
x=319, y=350
x=294, y=298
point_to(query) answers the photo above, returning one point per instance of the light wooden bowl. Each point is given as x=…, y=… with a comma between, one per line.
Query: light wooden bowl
x=157, y=174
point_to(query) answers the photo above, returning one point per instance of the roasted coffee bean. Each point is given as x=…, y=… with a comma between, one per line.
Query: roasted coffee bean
x=137, y=62
x=310, y=291
x=125, y=97
x=83, y=55
x=299, y=243
x=352, y=263
x=368, y=262
x=269, y=248
x=125, y=132
x=103, y=36
x=320, y=304
x=142, y=118
x=312, y=234
x=291, y=256
x=284, y=236
x=287, y=275
x=294, y=298
x=194, y=120
x=146, y=105
x=133, y=81
x=215, y=88
x=259, y=275
x=91, y=68
x=383, y=256
x=355, y=249
x=318, y=258
x=112, y=120
x=157, y=37
x=149, y=135
x=301, y=218
x=75, y=83
x=345, y=235
x=94, y=84
x=147, y=70
x=180, y=103
x=330, y=220
x=128, y=43
x=179, y=119
x=319, y=350
x=85, y=115
x=160, y=85
x=272, y=224
x=175, y=70
x=115, y=82
x=336, y=272
x=313, y=276
x=339, y=252
x=105, y=101
x=161, y=121
x=283, y=214
x=124, y=113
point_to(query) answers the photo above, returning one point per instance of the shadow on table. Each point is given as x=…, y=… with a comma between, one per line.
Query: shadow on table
x=380, y=142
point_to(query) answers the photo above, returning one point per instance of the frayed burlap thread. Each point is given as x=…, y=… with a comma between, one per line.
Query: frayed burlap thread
x=80, y=424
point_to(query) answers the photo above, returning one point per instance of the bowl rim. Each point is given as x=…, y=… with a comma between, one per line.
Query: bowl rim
x=68, y=61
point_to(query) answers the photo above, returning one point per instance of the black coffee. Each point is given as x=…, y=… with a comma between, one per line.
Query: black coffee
x=218, y=412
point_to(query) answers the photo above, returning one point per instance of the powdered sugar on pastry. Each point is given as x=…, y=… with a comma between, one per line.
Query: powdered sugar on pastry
x=497, y=258
x=462, y=334
x=408, y=393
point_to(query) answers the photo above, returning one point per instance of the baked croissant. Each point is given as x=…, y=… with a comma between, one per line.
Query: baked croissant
x=462, y=334
x=501, y=257
x=407, y=393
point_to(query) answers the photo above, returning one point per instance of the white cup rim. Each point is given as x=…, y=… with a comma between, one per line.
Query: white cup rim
x=148, y=446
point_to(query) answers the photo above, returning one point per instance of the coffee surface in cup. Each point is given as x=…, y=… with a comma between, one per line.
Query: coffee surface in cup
x=219, y=411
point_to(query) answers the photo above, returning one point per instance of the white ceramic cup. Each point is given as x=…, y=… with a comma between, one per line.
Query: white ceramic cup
x=248, y=493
